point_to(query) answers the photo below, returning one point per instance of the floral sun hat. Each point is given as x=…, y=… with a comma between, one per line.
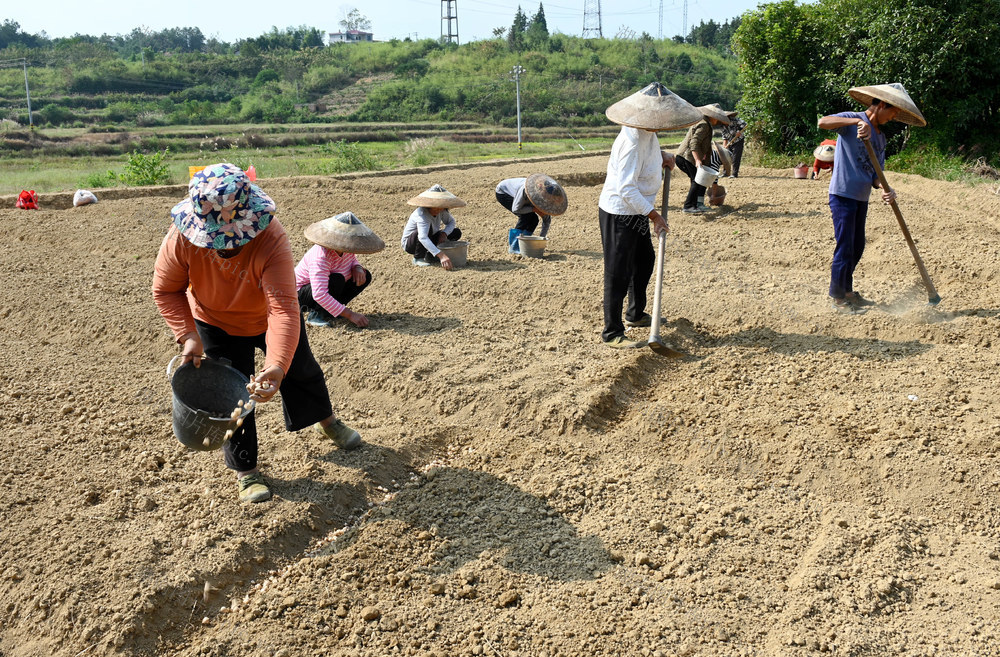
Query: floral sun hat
x=213, y=189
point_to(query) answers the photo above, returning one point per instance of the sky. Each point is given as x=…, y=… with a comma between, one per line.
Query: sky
x=417, y=19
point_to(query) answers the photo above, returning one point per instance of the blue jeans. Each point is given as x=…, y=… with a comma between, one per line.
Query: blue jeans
x=849, y=230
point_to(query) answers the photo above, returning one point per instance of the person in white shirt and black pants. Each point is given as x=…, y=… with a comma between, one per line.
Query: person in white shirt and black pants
x=626, y=209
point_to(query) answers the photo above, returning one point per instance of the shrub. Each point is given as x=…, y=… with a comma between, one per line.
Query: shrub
x=143, y=169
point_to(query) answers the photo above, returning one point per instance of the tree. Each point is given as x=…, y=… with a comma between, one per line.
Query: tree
x=355, y=20
x=537, y=34
x=515, y=35
x=797, y=62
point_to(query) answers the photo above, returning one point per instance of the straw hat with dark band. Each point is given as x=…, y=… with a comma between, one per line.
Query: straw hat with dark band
x=545, y=194
x=715, y=111
x=895, y=95
x=825, y=152
x=436, y=197
x=654, y=107
x=344, y=233
x=724, y=156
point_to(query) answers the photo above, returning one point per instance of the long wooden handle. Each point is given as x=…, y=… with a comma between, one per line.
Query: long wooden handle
x=654, y=329
x=932, y=295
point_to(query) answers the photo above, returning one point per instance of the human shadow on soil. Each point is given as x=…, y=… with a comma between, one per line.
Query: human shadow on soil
x=791, y=344
x=491, y=265
x=480, y=516
x=411, y=324
x=754, y=211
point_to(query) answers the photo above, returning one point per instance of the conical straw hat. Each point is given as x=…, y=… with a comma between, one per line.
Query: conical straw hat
x=715, y=111
x=654, y=107
x=724, y=155
x=345, y=233
x=545, y=194
x=895, y=95
x=825, y=152
x=436, y=197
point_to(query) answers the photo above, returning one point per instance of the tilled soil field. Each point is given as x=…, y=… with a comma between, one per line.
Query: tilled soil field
x=803, y=482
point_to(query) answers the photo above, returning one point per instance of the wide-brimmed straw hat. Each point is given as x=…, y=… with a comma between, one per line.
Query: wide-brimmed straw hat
x=436, y=197
x=545, y=194
x=895, y=95
x=345, y=233
x=654, y=107
x=715, y=111
x=220, y=187
x=825, y=152
x=724, y=156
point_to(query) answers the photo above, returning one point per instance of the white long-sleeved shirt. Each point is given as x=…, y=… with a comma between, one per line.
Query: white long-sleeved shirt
x=424, y=225
x=514, y=187
x=315, y=268
x=635, y=170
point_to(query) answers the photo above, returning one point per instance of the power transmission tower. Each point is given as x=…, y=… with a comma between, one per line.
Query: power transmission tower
x=449, y=21
x=592, y=19
x=684, y=30
x=659, y=35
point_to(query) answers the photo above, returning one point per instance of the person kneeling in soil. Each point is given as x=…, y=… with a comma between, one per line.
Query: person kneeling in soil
x=854, y=177
x=423, y=231
x=225, y=285
x=329, y=275
x=528, y=198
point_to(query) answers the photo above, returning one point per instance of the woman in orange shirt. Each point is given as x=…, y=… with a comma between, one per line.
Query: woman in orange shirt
x=224, y=281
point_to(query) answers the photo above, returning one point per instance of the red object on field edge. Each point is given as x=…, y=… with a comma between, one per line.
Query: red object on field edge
x=27, y=200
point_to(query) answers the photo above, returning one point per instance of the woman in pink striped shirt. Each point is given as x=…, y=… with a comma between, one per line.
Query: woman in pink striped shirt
x=329, y=275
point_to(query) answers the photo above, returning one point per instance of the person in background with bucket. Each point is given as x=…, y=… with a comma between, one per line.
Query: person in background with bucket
x=854, y=177
x=695, y=153
x=424, y=231
x=823, y=157
x=329, y=275
x=528, y=198
x=225, y=284
x=625, y=208
x=732, y=140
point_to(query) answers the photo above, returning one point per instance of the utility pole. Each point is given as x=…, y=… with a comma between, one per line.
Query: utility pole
x=27, y=94
x=659, y=35
x=516, y=72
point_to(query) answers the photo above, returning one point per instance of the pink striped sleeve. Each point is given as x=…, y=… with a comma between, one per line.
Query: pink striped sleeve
x=319, y=277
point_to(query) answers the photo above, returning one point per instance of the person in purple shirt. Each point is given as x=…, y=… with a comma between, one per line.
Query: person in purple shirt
x=854, y=177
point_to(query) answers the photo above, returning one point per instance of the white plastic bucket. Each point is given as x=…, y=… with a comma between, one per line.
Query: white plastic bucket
x=705, y=176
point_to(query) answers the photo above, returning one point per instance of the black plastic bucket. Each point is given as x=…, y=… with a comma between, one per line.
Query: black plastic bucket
x=204, y=400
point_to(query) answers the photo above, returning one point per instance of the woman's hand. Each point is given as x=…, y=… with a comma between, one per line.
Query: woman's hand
x=263, y=386
x=888, y=196
x=659, y=223
x=357, y=319
x=863, y=129
x=358, y=275
x=192, y=349
x=445, y=261
x=668, y=160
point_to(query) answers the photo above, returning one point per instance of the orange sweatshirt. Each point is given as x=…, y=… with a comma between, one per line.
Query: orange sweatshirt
x=249, y=294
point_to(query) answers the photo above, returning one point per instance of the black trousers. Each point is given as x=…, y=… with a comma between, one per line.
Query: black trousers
x=418, y=250
x=737, y=151
x=304, y=397
x=628, y=265
x=342, y=289
x=695, y=190
x=526, y=222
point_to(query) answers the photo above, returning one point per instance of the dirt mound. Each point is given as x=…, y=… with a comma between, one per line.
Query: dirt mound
x=802, y=482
